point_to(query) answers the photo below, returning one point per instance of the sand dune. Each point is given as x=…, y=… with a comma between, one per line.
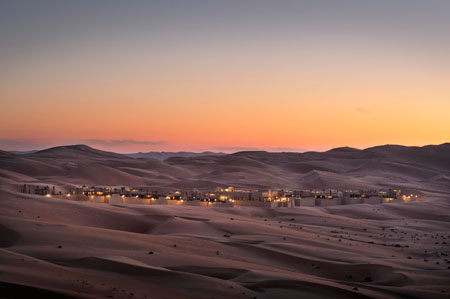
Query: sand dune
x=378, y=167
x=66, y=249
x=85, y=249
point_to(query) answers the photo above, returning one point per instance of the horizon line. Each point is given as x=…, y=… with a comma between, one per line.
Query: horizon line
x=244, y=149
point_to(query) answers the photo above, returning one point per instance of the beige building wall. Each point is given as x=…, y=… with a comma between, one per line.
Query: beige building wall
x=325, y=202
x=305, y=202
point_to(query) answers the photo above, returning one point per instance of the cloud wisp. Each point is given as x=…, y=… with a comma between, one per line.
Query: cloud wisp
x=362, y=110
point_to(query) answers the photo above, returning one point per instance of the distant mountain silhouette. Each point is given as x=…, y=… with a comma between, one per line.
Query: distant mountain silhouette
x=165, y=155
x=74, y=151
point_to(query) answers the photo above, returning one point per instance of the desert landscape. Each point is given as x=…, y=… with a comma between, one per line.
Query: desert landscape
x=62, y=248
x=259, y=149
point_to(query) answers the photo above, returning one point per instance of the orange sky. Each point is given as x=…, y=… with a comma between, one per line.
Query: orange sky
x=223, y=93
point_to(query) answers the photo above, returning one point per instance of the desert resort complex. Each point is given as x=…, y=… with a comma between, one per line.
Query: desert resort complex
x=223, y=197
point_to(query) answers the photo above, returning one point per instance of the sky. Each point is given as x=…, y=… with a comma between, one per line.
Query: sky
x=131, y=76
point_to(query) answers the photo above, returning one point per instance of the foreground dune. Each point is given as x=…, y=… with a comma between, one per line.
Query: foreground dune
x=59, y=248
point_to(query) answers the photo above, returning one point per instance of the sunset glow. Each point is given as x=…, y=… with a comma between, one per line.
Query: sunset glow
x=224, y=76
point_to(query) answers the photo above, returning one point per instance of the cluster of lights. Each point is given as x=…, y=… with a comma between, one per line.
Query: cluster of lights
x=226, y=198
x=408, y=197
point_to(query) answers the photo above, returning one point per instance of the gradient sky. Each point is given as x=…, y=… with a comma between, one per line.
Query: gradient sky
x=224, y=75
